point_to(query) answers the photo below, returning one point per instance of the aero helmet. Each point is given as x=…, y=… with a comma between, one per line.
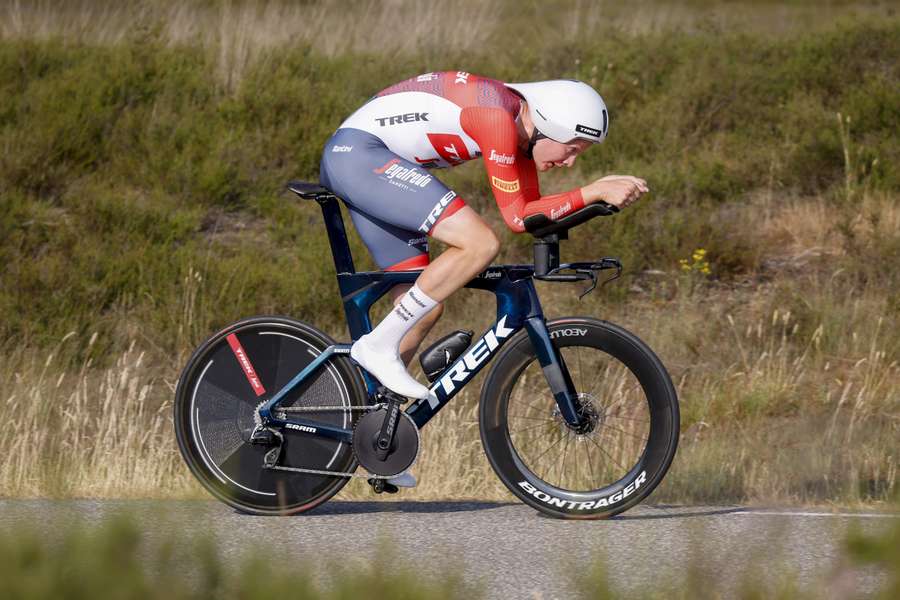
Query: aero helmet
x=564, y=110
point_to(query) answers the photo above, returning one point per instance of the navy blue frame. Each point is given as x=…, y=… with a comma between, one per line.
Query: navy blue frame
x=518, y=307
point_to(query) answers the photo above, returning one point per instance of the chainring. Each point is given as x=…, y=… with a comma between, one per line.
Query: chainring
x=402, y=453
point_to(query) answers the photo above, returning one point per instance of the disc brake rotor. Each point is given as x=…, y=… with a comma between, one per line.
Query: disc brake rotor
x=588, y=409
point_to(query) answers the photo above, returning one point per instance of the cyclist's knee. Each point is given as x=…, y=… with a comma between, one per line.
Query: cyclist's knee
x=491, y=247
x=483, y=248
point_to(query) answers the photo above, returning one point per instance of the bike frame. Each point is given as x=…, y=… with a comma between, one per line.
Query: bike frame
x=518, y=307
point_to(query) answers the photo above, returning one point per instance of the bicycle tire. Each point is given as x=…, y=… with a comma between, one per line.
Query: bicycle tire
x=626, y=357
x=215, y=408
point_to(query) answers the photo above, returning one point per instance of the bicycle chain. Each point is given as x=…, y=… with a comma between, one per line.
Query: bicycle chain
x=302, y=409
x=365, y=475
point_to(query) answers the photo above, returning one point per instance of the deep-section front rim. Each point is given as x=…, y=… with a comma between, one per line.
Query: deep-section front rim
x=284, y=492
x=639, y=480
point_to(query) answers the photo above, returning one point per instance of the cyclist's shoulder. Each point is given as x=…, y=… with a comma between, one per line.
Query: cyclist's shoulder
x=460, y=87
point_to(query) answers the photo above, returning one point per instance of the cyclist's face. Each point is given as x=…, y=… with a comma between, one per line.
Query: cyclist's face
x=548, y=153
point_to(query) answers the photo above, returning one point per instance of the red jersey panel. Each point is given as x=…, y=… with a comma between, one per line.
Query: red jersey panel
x=440, y=120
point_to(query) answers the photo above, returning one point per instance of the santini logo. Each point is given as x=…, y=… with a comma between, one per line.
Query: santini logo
x=342, y=148
x=469, y=364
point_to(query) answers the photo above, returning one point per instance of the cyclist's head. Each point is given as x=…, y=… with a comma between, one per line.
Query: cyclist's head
x=567, y=116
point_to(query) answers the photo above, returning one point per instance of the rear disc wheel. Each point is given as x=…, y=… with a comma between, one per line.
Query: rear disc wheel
x=216, y=403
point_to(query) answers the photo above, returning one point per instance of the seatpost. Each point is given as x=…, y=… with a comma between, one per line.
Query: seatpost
x=337, y=235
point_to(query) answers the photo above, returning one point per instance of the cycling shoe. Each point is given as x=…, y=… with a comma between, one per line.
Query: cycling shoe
x=388, y=369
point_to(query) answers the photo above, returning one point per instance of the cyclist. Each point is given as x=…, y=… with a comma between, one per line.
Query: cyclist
x=376, y=163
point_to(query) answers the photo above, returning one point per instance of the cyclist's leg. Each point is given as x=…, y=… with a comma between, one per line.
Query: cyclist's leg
x=472, y=246
x=394, y=205
x=412, y=340
x=396, y=249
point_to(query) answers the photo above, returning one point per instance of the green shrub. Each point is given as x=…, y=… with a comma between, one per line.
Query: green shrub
x=123, y=157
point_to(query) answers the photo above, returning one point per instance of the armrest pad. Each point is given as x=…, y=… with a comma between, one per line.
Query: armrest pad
x=539, y=225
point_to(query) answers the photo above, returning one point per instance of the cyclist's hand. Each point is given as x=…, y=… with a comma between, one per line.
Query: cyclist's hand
x=618, y=190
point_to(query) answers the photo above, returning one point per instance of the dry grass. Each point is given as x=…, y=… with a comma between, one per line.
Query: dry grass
x=88, y=433
x=239, y=33
x=780, y=403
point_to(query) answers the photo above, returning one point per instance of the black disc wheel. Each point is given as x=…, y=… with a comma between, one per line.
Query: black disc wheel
x=626, y=438
x=216, y=402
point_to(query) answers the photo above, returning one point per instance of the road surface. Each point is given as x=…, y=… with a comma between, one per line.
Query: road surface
x=510, y=550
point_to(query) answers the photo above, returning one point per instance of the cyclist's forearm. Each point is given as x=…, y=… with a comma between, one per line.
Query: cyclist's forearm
x=556, y=206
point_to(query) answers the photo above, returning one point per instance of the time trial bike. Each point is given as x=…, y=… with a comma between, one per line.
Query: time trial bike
x=578, y=417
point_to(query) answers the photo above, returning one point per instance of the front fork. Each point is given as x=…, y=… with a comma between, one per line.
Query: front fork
x=555, y=370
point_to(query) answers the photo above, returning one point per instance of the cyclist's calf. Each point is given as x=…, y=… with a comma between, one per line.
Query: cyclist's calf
x=413, y=339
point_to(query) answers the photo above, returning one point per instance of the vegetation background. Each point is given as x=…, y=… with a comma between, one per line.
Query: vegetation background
x=144, y=148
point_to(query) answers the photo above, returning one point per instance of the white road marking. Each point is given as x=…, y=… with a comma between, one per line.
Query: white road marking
x=819, y=514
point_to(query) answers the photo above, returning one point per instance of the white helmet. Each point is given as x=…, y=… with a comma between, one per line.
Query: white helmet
x=565, y=110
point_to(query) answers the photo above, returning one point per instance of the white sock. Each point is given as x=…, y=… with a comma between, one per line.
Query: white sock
x=378, y=352
x=414, y=305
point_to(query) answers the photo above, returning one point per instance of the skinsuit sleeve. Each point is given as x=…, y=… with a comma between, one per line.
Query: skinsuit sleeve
x=512, y=176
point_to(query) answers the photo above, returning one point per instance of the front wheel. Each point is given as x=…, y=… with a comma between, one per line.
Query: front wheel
x=630, y=422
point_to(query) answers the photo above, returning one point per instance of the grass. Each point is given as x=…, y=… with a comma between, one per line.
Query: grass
x=145, y=146
x=117, y=560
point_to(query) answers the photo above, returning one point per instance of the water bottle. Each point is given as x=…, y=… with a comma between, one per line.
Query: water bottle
x=443, y=352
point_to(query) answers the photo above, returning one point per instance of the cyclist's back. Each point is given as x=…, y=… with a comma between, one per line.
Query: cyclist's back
x=425, y=119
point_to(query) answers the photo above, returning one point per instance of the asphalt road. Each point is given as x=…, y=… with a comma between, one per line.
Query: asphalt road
x=509, y=549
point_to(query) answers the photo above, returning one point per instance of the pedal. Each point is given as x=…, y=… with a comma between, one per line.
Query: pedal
x=389, y=396
x=385, y=438
x=381, y=485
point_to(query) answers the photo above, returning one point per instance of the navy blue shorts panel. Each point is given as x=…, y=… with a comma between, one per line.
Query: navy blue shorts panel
x=393, y=203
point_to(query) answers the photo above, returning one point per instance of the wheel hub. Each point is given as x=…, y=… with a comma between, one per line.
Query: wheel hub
x=589, y=412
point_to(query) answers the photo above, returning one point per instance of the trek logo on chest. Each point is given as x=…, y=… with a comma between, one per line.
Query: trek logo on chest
x=404, y=118
x=471, y=362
